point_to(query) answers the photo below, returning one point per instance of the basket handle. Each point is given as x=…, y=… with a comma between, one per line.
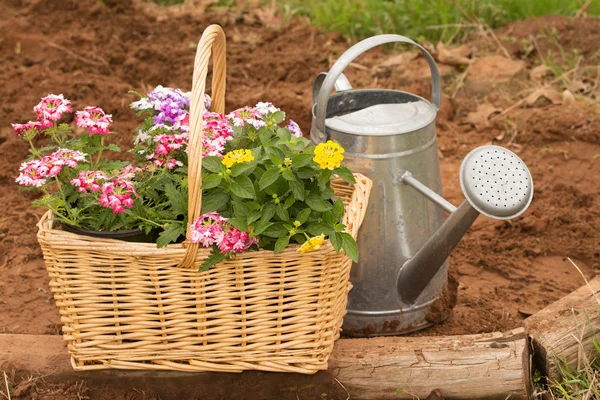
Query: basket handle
x=212, y=41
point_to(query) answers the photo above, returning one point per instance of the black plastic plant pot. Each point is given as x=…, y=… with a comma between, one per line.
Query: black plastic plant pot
x=131, y=235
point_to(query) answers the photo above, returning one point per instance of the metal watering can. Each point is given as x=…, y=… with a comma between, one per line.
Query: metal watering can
x=405, y=240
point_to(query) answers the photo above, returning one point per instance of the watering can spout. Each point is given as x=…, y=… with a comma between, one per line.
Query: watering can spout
x=417, y=272
x=495, y=182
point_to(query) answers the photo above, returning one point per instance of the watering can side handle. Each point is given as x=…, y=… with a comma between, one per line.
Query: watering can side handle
x=341, y=84
x=353, y=52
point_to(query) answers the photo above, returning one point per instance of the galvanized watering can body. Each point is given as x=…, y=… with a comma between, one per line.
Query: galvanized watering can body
x=399, y=220
x=405, y=241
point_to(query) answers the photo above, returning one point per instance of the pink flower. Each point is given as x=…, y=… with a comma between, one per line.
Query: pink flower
x=207, y=229
x=294, y=129
x=88, y=180
x=247, y=115
x=67, y=157
x=117, y=195
x=31, y=175
x=22, y=128
x=216, y=132
x=94, y=120
x=51, y=108
x=128, y=172
x=236, y=241
x=35, y=172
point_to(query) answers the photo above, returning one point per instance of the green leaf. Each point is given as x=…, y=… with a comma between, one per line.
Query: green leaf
x=243, y=187
x=349, y=246
x=301, y=160
x=275, y=231
x=297, y=190
x=289, y=202
x=288, y=175
x=243, y=168
x=336, y=240
x=213, y=163
x=268, y=211
x=317, y=203
x=264, y=138
x=338, y=210
x=345, y=174
x=325, y=176
x=275, y=159
x=214, y=258
x=278, y=116
x=211, y=181
x=176, y=198
x=284, y=134
x=282, y=213
x=268, y=178
x=113, y=147
x=305, y=172
x=239, y=224
x=318, y=228
x=254, y=215
x=171, y=233
x=260, y=226
x=281, y=243
x=303, y=215
x=214, y=201
x=240, y=209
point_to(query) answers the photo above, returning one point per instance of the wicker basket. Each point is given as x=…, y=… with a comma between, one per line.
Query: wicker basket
x=132, y=306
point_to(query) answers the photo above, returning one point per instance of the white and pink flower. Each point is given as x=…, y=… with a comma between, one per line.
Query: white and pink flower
x=95, y=120
x=212, y=229
x=51, y=108
x=207, y=229
x=20, y=129
x=236, y=241
x=89, y=180
x=247, y=115
x=117, y=195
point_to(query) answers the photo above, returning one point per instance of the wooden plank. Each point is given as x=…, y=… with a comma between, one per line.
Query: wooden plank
x=490, y=366
x=565, y=329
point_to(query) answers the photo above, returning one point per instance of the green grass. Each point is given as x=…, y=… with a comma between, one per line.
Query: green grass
x=421, y=19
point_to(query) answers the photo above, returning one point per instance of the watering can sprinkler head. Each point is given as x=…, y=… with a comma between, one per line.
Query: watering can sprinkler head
x=495, y=182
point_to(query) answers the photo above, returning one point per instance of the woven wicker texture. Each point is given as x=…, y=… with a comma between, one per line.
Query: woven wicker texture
x=128, y=306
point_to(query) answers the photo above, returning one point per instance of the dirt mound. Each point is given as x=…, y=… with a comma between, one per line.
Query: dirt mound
x=554, y=33
x=95, y=52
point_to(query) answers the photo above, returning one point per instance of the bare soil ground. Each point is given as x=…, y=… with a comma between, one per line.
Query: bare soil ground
x=95, y=52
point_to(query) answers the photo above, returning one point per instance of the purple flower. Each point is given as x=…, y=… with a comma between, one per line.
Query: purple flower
x=294, y=129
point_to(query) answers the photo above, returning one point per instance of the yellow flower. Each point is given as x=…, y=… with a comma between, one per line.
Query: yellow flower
x=329, y=155
x=314, y=243
x=236, y=157
x=287, y=162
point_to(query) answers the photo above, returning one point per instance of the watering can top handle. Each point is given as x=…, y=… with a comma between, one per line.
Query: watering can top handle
x=336, y=71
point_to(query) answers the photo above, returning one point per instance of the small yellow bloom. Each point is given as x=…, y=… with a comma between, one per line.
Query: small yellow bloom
x=237, y=157
x=329, y=155
x=314, y=243
x=287, y=162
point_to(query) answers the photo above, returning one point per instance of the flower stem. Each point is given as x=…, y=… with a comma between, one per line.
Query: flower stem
x=99, y=152
x=62, y=195
x=34, y=150
x=151, y=222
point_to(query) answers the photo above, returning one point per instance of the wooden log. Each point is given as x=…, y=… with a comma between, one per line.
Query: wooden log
x=565, y=329
x=484, y=366
x=493, y=365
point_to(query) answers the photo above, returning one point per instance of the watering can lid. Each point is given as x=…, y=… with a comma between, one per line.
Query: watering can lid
x=385, y=119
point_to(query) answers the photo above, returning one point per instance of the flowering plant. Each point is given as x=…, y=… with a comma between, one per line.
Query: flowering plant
x=263, y=185
x=80, y=186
